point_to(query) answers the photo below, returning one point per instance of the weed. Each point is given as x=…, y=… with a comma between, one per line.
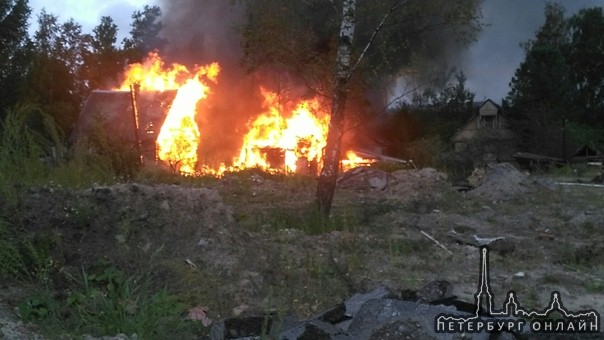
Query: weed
x=370, y=210
x=82, y=168
x=551, y=279
x=105, y=301
x=406, y=247
x=593, y=286
x=27, y=258
x=562, y=171
x=308, y=219
x=28, y=137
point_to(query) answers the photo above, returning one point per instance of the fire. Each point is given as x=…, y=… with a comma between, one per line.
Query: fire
x=275, y=142
x=285, y=138
x=179, y=136
x=353, y=160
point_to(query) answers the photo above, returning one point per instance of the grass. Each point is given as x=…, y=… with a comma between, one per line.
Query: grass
x=103, y=300
x=25, y=257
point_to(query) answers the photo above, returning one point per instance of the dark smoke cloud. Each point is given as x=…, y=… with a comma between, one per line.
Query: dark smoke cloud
x=205, y=31
x=490, y=63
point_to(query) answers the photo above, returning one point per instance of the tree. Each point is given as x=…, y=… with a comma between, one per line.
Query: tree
x=561, y=81
x=105, y=61
x=542, y=91
x=585, y=55
x=304, y=37
x=331, y=160
x=144, y=35
x=13, y=50
x=55, y=80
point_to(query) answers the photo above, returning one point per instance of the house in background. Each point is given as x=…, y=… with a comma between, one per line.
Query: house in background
x=487, y=133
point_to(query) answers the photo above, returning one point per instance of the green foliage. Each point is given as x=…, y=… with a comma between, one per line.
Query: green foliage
x=586, y=30
x=82, y=168
x=370, y=210
x=119, y=154
x=308, y=219
x=28, y=137
x=54, y=80
x=424, y=151
x=584, y=134
x=27, y=258
x=104, y=62
x=105, y=301
x=144, y=33
x=594, y=287
x=13, y=25
x=300, y=36
x=560, y=80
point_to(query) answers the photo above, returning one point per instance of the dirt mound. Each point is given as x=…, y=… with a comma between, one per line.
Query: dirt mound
x=417, y=180
x=364, y=178
x=502, y=182
x=116, y=222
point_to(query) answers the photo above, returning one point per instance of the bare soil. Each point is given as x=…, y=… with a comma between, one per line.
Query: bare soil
x=250, y=242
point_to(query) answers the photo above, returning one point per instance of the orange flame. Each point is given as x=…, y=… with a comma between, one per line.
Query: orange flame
x=273, y=139
x=289, y=140
x=179, y=136
x=353, y=161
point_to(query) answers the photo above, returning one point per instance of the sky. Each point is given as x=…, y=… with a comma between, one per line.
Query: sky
x=489, y=63
x=88, y=13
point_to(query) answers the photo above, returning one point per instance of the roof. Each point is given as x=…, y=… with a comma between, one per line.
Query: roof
x=113, y=109
x=480, y=104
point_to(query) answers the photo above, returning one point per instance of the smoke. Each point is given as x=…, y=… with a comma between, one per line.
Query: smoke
x=200, y=32
x=490, y=63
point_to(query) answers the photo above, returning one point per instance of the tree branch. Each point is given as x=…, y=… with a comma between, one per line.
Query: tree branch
x=375, y=33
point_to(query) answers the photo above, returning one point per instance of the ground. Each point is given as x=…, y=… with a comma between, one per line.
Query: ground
x=251, y=242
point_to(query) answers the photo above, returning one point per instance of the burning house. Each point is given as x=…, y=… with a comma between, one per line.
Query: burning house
x=113, y=112
x=156, y=110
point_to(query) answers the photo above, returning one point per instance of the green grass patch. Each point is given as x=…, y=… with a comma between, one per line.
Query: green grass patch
x=593, y=286
x=105, y=301
x=27, y=258
x=309, y=219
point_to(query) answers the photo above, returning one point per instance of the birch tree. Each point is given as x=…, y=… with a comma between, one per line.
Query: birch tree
x=329, y=172
x=369, y=41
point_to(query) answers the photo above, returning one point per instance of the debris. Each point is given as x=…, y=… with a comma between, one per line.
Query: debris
x=237, y=311
x=364, y=178
x=485, y=241
x=377, y=314
x=502, y=182
x=436, y=241
x=378, y=183
x=590, y=185
x=190, y=263
x=199, y=313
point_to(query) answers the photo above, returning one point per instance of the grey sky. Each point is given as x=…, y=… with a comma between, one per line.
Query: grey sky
x=491, y=62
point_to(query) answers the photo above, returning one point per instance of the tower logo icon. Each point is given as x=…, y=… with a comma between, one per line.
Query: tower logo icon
x=554, y=318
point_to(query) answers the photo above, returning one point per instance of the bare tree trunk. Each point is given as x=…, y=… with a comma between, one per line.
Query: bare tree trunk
x=331, y=160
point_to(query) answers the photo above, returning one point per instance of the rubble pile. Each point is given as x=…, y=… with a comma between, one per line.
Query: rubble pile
x=501, y=182
x=378, y=314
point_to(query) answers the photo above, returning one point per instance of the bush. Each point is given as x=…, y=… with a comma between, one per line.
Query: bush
x=29, y=139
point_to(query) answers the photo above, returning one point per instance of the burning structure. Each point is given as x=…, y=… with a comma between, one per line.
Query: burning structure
x=157, y=108
x=112, y=111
